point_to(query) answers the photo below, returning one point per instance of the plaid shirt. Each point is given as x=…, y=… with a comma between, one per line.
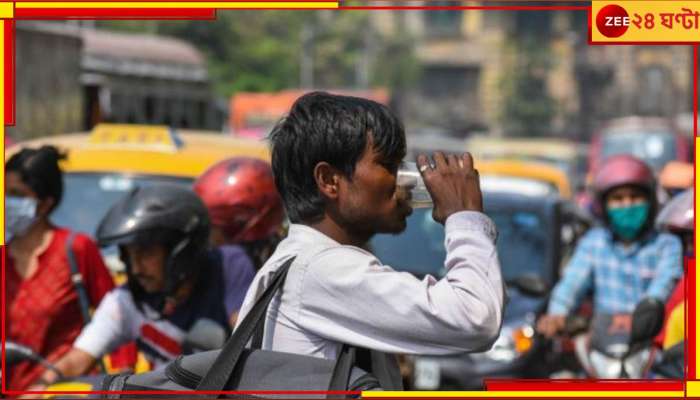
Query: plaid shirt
x=620, y=277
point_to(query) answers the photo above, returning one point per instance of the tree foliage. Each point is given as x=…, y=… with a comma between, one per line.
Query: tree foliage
x=255, y=50
x=528, y=106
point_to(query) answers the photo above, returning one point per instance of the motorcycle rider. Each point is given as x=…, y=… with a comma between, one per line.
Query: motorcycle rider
x=244, y=206
x=173, y=280
x=623, y=261
x=675, y=177
x=246, y=214
x=678, y=217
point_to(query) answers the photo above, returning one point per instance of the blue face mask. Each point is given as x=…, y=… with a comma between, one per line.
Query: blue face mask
x=20, y=215
x=627, y=222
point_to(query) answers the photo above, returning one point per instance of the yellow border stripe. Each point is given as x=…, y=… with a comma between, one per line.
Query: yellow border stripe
x=7, y=10
x=693, y=388
x=559, y=394
x=123, y=4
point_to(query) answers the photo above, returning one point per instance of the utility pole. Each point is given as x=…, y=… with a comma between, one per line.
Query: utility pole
x=364, y=63
x=306, y=62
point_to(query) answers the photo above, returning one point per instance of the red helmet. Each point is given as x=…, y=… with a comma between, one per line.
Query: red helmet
x=241, y=197
x=623, y=170
x=679, y=213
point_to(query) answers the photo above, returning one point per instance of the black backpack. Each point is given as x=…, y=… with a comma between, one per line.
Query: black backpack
x=236, y=368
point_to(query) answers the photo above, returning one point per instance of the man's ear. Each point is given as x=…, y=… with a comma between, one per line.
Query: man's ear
x=327, y=179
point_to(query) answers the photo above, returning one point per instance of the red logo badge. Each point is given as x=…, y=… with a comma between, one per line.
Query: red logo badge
x=612, y=21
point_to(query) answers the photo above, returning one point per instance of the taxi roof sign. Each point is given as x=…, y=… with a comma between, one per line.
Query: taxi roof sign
x=138, y=137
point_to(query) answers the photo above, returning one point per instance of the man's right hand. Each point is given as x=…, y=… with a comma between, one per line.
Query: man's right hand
x=549, y=325
x=453, y=184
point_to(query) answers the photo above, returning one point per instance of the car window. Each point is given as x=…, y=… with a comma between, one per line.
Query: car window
x=88, y=196
x=511, y=184
x=654, y=147
x=523, y=245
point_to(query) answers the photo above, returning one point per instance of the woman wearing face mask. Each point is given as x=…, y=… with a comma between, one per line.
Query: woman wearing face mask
x=624, y=261
x=43, y=309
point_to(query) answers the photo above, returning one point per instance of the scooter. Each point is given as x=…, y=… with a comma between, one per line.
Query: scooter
x=606, y=354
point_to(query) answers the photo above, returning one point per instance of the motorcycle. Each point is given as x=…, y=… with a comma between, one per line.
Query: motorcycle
x=204, y=335
x=671, y=365
x=605, y=353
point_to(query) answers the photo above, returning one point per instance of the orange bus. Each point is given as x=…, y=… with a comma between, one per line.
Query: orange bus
x=254, y=114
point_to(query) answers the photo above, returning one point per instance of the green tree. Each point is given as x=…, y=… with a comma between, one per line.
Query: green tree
x=528, y=107
x=262, y=50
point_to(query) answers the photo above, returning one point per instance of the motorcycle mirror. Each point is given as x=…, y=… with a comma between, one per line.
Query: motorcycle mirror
x=15, y=353
x=530, y=285
x=647, y=320
x=204, y=335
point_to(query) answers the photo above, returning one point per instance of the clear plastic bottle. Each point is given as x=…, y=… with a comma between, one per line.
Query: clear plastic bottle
x=410, y=181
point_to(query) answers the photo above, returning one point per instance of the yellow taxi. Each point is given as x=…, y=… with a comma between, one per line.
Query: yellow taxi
x=104, y=164
x=526, y=171
x=569, y=156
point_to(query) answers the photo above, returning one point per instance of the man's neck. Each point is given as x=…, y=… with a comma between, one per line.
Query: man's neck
x=332, y=229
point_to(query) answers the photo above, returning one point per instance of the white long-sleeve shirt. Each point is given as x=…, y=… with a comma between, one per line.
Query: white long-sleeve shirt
x=337, y=294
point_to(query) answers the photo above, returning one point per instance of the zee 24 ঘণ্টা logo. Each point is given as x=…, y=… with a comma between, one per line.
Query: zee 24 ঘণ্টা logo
x=612, y=21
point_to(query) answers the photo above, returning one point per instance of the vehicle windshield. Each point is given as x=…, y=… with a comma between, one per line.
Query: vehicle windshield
x=510, y=184
x=656, y=148
x=88, y=196
x=522, y=244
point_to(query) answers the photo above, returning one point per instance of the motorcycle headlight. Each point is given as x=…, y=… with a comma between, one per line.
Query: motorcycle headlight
x=523, y=338
x=605, y=367
x=512, y=343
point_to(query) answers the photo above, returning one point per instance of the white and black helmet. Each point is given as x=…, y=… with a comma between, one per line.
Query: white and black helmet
x=164, y=214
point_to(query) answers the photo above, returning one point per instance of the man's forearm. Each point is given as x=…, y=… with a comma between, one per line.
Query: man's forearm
x=75, y=363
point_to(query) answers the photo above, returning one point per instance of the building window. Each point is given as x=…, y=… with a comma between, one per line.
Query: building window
x=443, y=23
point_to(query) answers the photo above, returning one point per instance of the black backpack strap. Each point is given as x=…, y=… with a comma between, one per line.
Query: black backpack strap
x=77, y=279
x=340, y=379
x=383, y=366
x=224, y=365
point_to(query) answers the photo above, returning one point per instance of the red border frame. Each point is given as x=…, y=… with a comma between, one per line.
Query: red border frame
x=115, y=13
x=207, y=14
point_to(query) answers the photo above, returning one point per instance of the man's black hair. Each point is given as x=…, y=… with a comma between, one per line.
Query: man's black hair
x=38, y=169
x=331, y=128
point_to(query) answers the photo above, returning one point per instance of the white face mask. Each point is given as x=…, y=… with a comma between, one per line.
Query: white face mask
x=20, y=215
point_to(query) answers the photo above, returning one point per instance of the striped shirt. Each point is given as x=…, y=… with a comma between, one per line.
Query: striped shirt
x=619, y=276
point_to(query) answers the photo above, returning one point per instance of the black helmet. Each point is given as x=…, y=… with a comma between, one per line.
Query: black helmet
x=160, y=214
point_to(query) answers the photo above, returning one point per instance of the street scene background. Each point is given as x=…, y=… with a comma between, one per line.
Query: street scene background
x=538, y=107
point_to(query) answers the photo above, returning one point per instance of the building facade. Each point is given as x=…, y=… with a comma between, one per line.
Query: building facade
x=484, y=69
x=70, y=77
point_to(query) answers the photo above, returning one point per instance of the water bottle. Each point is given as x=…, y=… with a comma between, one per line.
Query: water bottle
x=410, y=182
